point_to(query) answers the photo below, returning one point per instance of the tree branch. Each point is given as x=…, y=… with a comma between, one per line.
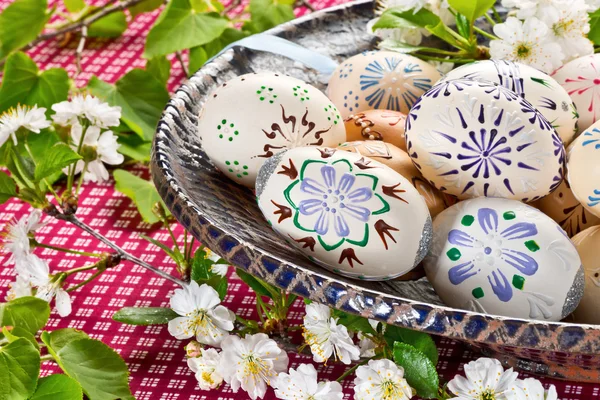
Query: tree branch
x=79, y=51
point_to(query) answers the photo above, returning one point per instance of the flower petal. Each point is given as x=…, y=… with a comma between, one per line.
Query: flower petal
x=521, y=261
x=460, y=238
x=328, y=173
x=310, y=206
x=311, y=186
x=358, y=212
x=178, y=328
x=63, y=303
x=500, y=285
x=341, y=227
x=488, y=219
x=322, y=224
x=519, y=230
x=346, y=183
x=361, y=194
x=461, y=272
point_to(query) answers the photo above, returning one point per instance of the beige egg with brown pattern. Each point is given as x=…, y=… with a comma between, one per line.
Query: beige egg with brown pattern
x=399, y=161
x=384, y=125
x=587, y=244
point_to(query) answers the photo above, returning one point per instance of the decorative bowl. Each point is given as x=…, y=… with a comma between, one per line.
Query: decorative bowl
x=225, y=217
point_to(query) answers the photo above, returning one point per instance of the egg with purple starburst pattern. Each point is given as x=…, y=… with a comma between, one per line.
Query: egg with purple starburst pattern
x=503, y=257
x=476, y=138
x=380, y=80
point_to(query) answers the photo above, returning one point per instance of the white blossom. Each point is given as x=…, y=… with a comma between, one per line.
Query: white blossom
x=531, y=389
x=485, y=378
x=325, y=337
x=301, y=384
x=205, y=369
x=31, y=118
x=105, y=146
x=251, y=363
x=47, y=287
x=19, y=288
x=526, y=42
x=219, y=269
x=534, y=8
x=381, y=380
x=201, y=315
x=89, y=107
x=367, y=346
x=16, y=240
x=592, y=5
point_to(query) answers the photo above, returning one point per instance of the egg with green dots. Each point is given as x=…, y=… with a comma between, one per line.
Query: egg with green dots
x=251, y=117
x=500, y=256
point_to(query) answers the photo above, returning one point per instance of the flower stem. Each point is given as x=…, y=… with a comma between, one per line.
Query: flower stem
x=46, y=357
x=491, y=21
x=496, y=15
x=352, y=369
x=85, y=282
x=81, y=175
x=65, y=250
x=452, y=60
x=484, y=33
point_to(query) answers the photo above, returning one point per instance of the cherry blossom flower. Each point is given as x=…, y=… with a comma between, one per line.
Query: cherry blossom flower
x=48, y=286
x=251, y=363
x=16, y=240
x=301, y=384
x=534, y=8
x=531, y=389
x=325, y=337
x=219, y=269
x=485, y=378
x=526, y=42
x=201, y=316
x=89, y=107
x=381, y=379
x=31, y=118
x=19, y=288
x=104, y=146
x=205, y=369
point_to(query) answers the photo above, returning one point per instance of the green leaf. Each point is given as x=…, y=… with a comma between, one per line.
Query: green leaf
x=419, y=371
x=400, y=47
x=57, y=157
x=29, y=313
x=199, y=55
x=471, y=9
x=160, y=68
x=19, y=369
x=140, y=96
x=392, y=21
x=594, y=33
x=201, y=266
x=180, y=27
x=266, y=14
x=24, y=84
x=144, y=315
x=113, y=25
x=144, y=6
x=354, y=323
x=8, y=187
x=140, y=191
x=61, y=337
x=74, y=6
x=218, y=283
x=134, y=147
x=260, y=287
x=20, y=23
x=100, y=371
x=57, y=386
x=22, y=169
x=170, y=252
x=202, y=6
x=418, y=340
x=17, y=333
x=462, y=24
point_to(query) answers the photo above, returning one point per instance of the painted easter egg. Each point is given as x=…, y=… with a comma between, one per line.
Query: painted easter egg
x=251, y=117
x=354, y=216
x=540, y=89
x=503, y=257
x=583, y=169
x=399, y=161
x=581, y=79
x=587, y=244
x=474, y=138
x=562, y=206
x=380, y=80
x=383, y=125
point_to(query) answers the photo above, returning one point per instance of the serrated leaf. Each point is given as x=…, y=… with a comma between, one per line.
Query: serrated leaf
x=471, y=9
x=20, y=23
x=29, y=313
x=145, y=6
x=140, y=96
x=199, y=55
x=100, y=371
x=61, y=337
x=418, y=340
x=201, y=266
x=140, y=191
x=8, y=187
x=260, y=287
x=462, y=25
x=74, y=6
x=180, y=27
x=57, y=157
x=113, y=25
x=419, y=371
x=265, y=14
x=145, y=315
x=160, y=68
x=134, y=147
x=24, y=84
x=17, y=333
x=57, y=386
x=19, y=369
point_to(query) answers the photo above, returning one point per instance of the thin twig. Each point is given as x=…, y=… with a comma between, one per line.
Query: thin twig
x=184, y=67
x=79, y=51
x=306, y=4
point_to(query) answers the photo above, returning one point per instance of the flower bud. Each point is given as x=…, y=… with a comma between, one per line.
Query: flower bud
x=193, y=349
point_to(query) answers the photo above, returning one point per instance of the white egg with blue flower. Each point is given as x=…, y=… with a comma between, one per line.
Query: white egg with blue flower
x=503, y=257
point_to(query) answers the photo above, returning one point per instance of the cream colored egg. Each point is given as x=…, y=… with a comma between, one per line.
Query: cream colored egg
x=352, y=215
x=384, y=125
x=540, y=89
x=583, y=169
x=503, y=257
x=588, y=243
x=475, y=138
x=251, y=117
x=581, y=79
x=380, y=80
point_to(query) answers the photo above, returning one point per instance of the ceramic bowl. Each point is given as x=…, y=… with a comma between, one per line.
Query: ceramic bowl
x=225, y=217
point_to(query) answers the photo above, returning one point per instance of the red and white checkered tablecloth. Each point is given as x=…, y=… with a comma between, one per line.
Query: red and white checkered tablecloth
x=155, y=359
